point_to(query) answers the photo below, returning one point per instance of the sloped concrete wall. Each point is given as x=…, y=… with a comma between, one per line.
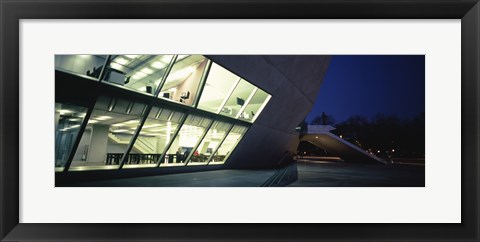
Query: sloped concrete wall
x=294, y=83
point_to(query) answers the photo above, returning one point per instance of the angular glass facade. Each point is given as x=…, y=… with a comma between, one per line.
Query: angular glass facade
x=187, y=139
x=184, y=79
x=110, y=129
x=210, y=142
x=157, y=132
x=190, y=112
x=220, y=84
x=68, y=119
x=89, y=66
x=225, y=149
x=142, y=73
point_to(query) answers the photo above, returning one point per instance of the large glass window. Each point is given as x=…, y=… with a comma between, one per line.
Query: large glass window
x=230, y=142
x=209, y=144
x=89, y=66
x=255, y=106
x=168, y=137
x=220, y=84
x=108, y=133
x=184, y=79
x=239, y=98
x=68, y=119
x=156, y=134
x=142, y=73
x=189, y=135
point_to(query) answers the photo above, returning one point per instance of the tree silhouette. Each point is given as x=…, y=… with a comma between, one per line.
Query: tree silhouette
x=405, y=138
x=319, y=121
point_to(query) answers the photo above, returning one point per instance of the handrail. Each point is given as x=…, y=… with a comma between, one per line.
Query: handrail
x=149, y=146
x=282, y=177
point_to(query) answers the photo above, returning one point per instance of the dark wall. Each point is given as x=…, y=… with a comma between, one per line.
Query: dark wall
x=294, y=83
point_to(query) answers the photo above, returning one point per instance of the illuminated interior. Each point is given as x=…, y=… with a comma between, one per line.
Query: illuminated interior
x=126, y=134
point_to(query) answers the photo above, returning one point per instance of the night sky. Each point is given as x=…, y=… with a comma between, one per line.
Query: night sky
x=367, y=85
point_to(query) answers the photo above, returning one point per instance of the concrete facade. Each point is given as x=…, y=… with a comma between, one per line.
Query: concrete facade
x=294, y=83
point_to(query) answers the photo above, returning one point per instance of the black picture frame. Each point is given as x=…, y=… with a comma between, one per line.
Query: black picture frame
x=12, y=11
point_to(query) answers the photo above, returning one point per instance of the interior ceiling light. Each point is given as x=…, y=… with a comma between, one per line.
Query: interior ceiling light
x=103, y=117
x=158, y=64
x=146, y=70
x=115, y=65
x=132, y=56
x=182, y=73
x=132, y=122
x=139, y=75
x=121, y=61
x=166, y=58
x=92, y=121
x=120, y=130
x=64, y=111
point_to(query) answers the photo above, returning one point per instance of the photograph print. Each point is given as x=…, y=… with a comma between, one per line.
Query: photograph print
x=199, y=120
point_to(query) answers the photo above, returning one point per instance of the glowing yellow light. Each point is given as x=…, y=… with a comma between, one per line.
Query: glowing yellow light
x=121, y=61
x=103, y=117
x=139, y=75
x=64, y=111
x=158, y=64
x=131, y=122
x=147, y=70
x=115, y=65
x=132, y=56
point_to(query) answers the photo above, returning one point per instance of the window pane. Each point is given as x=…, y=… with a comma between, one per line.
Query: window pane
x=183, y=80
x=238, y=99
x=89, y=66
x=220, y=84
x=138, y=72
x=255, y=106
x=209, y=144
x=68, y=119
x=190, y=133
x=155, y=135
x=108, y=133
x=228, y=145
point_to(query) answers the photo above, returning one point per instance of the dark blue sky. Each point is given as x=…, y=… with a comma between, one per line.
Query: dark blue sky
x=367, y=85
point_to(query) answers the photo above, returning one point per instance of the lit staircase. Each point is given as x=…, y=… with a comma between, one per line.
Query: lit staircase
x=320, y=135
x=141, y=145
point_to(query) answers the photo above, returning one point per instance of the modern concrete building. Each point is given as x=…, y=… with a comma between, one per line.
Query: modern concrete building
x=320, y=136
x=134, y=115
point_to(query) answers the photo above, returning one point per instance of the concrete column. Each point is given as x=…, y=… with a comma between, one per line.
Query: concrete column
x=57, y=119
x=174, y=148
x=204, y=148
x=98, y=144
x=161, y=142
